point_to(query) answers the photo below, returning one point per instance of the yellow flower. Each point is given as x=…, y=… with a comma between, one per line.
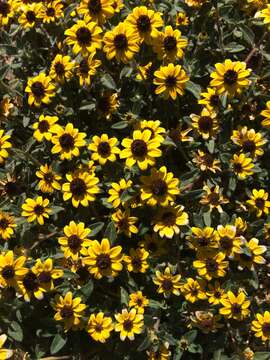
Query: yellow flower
x=157, y=132
x=168, y=283
x=84, y=37
x=181, y=19
x=206, y=162
x=138, y=301
x=235, y=307
x=193, y=290
x=103, y=148
x=36, y=209
x=4, y=353
x=6, y=13
x=86, y=69
x=159, y=188
x=170, y=80
x=107, y=104
x=51, y=11
x=242, y=166
x=45, y=127
x=137, y=261
x=69, y=310
x=141, y=149
x=205, y=321
x=204, y=241
x=30, y=287
x=104, y=260
x=116, y=190
x=129, y=323
x=46, y=273
x=30, y=14
x=61, y=68
x=49, y=181
x=145, y=72
x=251, y=254
x=230, y=77
x=168, y=220
x=81, y=188
x=75, y=241
x=11, y=270
x=121, y=43
x=124, y=222
x=229, y=243
x=7, y=225
x=145, y=22
x=4, y=145
x=215, y=293
x=195, y=3
x=265, y=14
x=213, y=198
x=259, y=202
x=67, y=141
x=266, y=114
x=96, y=10
x=210, y=99
x=250, y=141
x=117, y=5
x=212, y=266
x=206, y=124
x=261, y=326
x=40, y=90
x=6, y=107
x=99, y=327
x=169, y=44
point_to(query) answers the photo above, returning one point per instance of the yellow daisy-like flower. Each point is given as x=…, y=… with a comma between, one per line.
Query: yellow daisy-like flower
x=86, y=68
x=49, y=181
x=157, y=131
x=61, y=68
x=229, y=243
x=259, y=202
x=168, y=283
x=4, y=145
x=129, y=323
x=181, y=19
x=6, y=12
x=265, y=14
x=125, y=223
x=107, y=104
x=116, y=190
x=36, y=209
x=193, y=290
x=266, y=114
x=137, y=261
x=104, y=260
x=212, y=266
x=81, y=188
x=230, y=77
x=4, y=353
x=145, y=72
x=99, y=327
x=215, y=293
x=235, y=306
x=170, y=81
x=159, y=188
x=242, y=166
x=213, y=198
x=46, y=273
x=138, y=301
x=30, y=287
x=250, y=141
x=141, y=149
x=96, y=10
x=11, y=270
x=168, y=220
x=251, y=254
x=45, y=127
x=117, y=5
x=210, y=99
x=207, y=162
x=30, y=14
x=67, y=141
x=145, y=22
x=75, y=241
x=203, y=240
x=261, y=325
x=84, y=37
x=103, y=148
x=121, y=43
x=7, y=225
x=69, y=310
x=51, y=11
x=169, y=44
x=206, y=124
x=40, y=90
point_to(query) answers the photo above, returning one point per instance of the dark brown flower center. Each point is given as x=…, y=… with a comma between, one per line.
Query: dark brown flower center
x=128, y=325
x=84, y=36
x=170, y=43
x=238, y=168
x=249, y=146
x=8, y=272
x=78, y=187
x=84, y=67
x=30, y=16
x=11, y=188
x=31, y=282
x=43, y=126
x=104, y=148
x=230, y=77
x=37, y=89
x=66, y=312
x=98, y=328
x=169, y=218
x=94, y=6
x=139, y=148
x=205, y=123
x=67, y=142
x=120, y=42
x=74, y=242
x=203, y=241
x=208, y=160
x=45, y=277
x=226, y=243
x=59, y=69
x=167, y=285
x=39, y=210
x=103, y=261
x=144, y=23
x=4, y=8
x=260, y=203
x=213, y=198
x=236, y=309
x=159, y=187
x=211, y=265
x=4, y=223
x=266, y=329
x=48, y=178
x=50, y=12
x=214, y=100
x=170, y=81
x=136, y=262
x=104, y=104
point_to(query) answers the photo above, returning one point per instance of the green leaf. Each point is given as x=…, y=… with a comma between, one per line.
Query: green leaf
x=207, y=218
x=88, y=107
x=124, y=296
x=87, y=289
x=234, y=47
x=191, y=336
x=145, y=344
x=262, y=355
x=110, y=232
x=57, y=344
x=96, y=228
x=194, y=89
x=108, y=81
x=15, y=331
x=120, y=125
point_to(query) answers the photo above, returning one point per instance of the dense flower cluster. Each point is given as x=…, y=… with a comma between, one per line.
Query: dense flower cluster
x=134, y=179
